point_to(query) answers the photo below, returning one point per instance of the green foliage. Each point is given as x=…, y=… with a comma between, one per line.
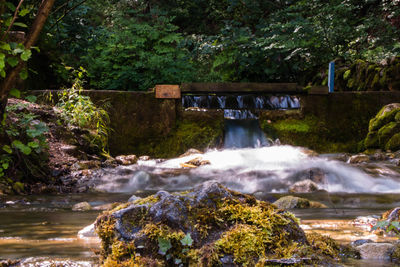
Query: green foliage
x=79, y=110
x=25, y=148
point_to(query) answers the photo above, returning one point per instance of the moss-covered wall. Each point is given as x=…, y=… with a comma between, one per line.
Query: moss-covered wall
x=335, y=122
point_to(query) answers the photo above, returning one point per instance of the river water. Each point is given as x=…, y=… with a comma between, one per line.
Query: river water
x=42, y=230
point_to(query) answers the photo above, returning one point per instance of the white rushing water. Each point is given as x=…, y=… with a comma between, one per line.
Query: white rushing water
x=249, y=170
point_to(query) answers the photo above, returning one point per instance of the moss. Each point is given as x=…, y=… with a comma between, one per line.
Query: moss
x=105, y=226
x=395, y=256
x=371, y=141
x=247, y=243
x=346, y=74
x=383, y=117
x=311, y=132
x=394, y=143
x=187, y=134
x=387, y=131
x=147, y=200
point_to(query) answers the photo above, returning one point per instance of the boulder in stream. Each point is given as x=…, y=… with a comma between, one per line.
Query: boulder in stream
x=305, y=186
x=82, y=206
x=360, y=158
x=126, y=159
x=291, y=202
x=207, y=226
x=376, y=251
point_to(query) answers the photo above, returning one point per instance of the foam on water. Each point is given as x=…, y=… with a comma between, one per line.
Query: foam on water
x=249, y=170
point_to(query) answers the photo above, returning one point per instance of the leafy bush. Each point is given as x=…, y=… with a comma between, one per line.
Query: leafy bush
x=24, y=148
x=79, y=110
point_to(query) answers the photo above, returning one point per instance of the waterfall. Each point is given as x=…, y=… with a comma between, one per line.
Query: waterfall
x=249, y=102
x=242, y=129
x=242, y=133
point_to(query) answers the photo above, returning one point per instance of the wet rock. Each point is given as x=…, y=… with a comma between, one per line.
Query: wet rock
x=309, y=152
x=191, y=151
x=306, y=186
x=291, y=202
x=342, y=157
x=206, y=225
x=133, y=198
x=360, y=242
x=391, y=215
x=103, y=207
x=198, y=162
x=9, y=263
x=82, y=206
x=86, y=164
x=376, y=251
x=144, y=158
x=356, y=159
x=88, y=232
x=126, y=159
x=316, y=175
x=110, y=162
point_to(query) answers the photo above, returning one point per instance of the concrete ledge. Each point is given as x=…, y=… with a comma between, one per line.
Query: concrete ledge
x=240, y=87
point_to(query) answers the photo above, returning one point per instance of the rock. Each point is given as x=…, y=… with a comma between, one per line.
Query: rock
x=103, y=207
x=82, y=206
x=198, y=162
x=126, y=160
x=70, y=149
x=391, y=215
x=316, y=175
x=86, y=164
x=291, y=202
x=306, y=186
x=309, y=152
x=133, y=198
x=191, y=151
x=144, y=158
x=376, y=251
x=185, y=165
x=365, y=222
x=384, y=116
x=88, y=232
x=360, y=242
x=356, y=159
x=210, y=226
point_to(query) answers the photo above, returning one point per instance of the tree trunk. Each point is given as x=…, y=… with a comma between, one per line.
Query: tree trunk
x=30, y=40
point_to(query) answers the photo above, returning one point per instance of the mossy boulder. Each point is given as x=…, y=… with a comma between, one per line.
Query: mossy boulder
x=384, y=129
x=207, y=226
x=291, y=202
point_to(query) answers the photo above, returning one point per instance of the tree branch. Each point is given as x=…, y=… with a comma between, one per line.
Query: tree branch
x=13, y=20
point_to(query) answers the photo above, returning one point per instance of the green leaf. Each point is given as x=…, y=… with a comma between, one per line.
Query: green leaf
x=33, y=144
x=13, y=61
x=15, y=93
x=23, y=148
x=2, y=73
x=23, y=74
x=23, y=12
x=31, y=98
x=26, y=55
x=10, y=6
x=7, y=149
x=187, y=240
x=5, y=165
x=20, y=24
x=164, y=245
x=5, y=46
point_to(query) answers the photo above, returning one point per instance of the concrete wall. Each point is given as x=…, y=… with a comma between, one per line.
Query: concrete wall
x=139, y=119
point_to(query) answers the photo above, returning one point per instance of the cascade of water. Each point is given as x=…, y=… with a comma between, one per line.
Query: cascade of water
x=241, y=102
x=243, y=133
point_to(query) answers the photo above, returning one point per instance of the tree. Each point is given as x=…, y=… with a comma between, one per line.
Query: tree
x=34, y=31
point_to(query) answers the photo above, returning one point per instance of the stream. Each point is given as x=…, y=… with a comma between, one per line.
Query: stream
x=42, y=230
